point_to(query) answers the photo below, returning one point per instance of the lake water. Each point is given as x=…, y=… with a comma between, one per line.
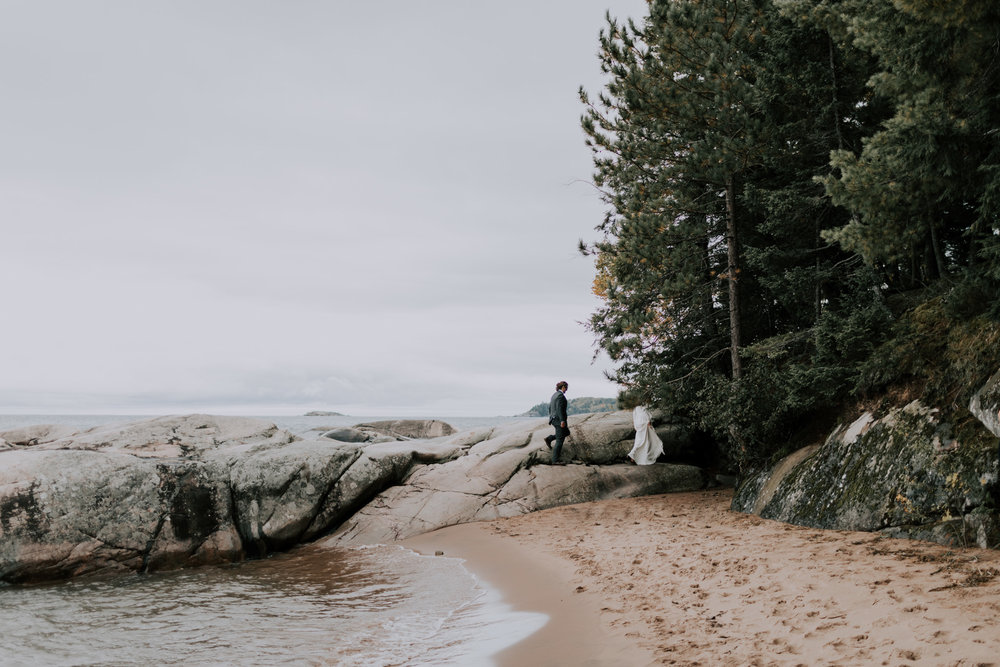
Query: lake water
x=373, y=606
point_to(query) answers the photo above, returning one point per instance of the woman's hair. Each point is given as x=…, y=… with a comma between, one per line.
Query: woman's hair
x=561, y=385
x=628, y=400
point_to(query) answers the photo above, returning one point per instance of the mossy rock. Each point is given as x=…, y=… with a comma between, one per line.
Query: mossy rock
x=985, y=403
x=904, y=474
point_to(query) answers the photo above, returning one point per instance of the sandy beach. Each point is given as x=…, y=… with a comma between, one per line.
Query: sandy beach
x=679, y=579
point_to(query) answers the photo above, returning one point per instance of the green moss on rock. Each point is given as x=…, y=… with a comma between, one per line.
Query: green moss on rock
x=905, y=474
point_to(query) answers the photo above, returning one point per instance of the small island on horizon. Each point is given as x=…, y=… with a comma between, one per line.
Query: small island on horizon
x=323, y=413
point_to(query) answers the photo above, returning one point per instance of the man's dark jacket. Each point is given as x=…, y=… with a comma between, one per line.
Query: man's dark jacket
x=557, y=408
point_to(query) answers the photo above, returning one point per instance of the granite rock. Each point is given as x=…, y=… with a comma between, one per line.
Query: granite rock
x=198, y=489
x=905, y=474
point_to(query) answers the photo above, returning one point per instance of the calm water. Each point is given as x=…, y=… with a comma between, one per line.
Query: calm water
x=380, y=605
x=302, y=426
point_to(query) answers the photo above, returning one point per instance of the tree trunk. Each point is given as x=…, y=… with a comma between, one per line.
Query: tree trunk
x=835, y=106
x=835, y=110
x=817, y=285
x=939, y=260
x=733, y=272
x=708, y=298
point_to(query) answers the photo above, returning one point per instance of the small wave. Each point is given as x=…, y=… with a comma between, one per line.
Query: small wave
x=368, y=606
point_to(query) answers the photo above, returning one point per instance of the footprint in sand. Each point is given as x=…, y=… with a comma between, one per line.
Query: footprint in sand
x=830, y=626
x=940, y=637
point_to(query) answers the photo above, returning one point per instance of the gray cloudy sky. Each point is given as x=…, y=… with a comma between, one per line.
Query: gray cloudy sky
x=267, y=207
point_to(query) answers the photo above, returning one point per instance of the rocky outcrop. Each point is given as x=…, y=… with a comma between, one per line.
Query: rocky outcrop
x=607, y=437
x=34, y=435
x=177, y=491
x=498, y=477
x=408, y=429
x=985, y=403
x=154, y=494
x=350, y=434
x=905, y=474
x=390, y=430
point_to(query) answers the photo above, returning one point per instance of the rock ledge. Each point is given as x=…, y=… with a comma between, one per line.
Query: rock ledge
x=199, y=489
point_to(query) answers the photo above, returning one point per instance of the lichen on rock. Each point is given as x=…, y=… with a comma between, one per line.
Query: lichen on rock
x=905, y=474
x=177, y=491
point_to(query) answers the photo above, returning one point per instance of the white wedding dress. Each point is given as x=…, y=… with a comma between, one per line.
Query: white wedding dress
x=648, y=445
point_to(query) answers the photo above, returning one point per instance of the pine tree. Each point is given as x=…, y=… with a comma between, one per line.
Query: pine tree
x=674, y=138
x=925, y=188
x=717, y=118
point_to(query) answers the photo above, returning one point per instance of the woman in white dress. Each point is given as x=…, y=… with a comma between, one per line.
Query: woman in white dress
x=648, y=445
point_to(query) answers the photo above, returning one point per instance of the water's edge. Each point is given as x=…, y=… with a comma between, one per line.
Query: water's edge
x=321, y=605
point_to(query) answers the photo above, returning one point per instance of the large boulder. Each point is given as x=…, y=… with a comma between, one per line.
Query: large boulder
x=905, y=474
x=198, y=489
x=188, y=436
x=279, y=492
x=378, y=467
x=985, y=403
x=156, y=494
x=64, y=513
x=408, y=429
x=499, y=476
x=347, y=434
x=390, y=431
x=600, y=438
x=607, y=437
x=30, y=436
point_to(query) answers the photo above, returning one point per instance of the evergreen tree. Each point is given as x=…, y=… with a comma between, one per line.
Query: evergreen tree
x=673, y=138
x=717, y=118
x=925, y=188
x=773, y=168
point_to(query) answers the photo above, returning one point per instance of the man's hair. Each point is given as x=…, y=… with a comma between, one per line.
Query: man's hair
x=561, y=385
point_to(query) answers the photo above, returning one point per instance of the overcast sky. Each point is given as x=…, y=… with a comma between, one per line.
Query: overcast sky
x=252, y=207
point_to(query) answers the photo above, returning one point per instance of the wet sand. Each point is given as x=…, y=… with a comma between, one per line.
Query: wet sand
x=679, y=579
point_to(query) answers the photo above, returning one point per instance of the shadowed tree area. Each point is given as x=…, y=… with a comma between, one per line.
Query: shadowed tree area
x=802, y=209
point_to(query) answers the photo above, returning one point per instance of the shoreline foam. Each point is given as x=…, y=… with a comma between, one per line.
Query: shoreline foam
x=531, y=580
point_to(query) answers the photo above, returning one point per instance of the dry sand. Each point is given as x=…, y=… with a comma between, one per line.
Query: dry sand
x=679, y=579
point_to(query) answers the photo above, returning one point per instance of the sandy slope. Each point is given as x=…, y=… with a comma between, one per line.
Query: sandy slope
x=688, y=582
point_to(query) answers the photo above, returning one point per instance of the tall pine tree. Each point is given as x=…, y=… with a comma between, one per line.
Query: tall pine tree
x=925, y=188
x=717, y=117
x=674, y=136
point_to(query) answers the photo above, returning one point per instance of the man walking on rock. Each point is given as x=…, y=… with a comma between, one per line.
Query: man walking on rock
x=557, y=417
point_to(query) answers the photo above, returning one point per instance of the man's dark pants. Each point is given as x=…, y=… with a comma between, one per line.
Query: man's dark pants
x=561, y=433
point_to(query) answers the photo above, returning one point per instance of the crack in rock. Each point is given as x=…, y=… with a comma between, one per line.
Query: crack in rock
x=148, y=550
